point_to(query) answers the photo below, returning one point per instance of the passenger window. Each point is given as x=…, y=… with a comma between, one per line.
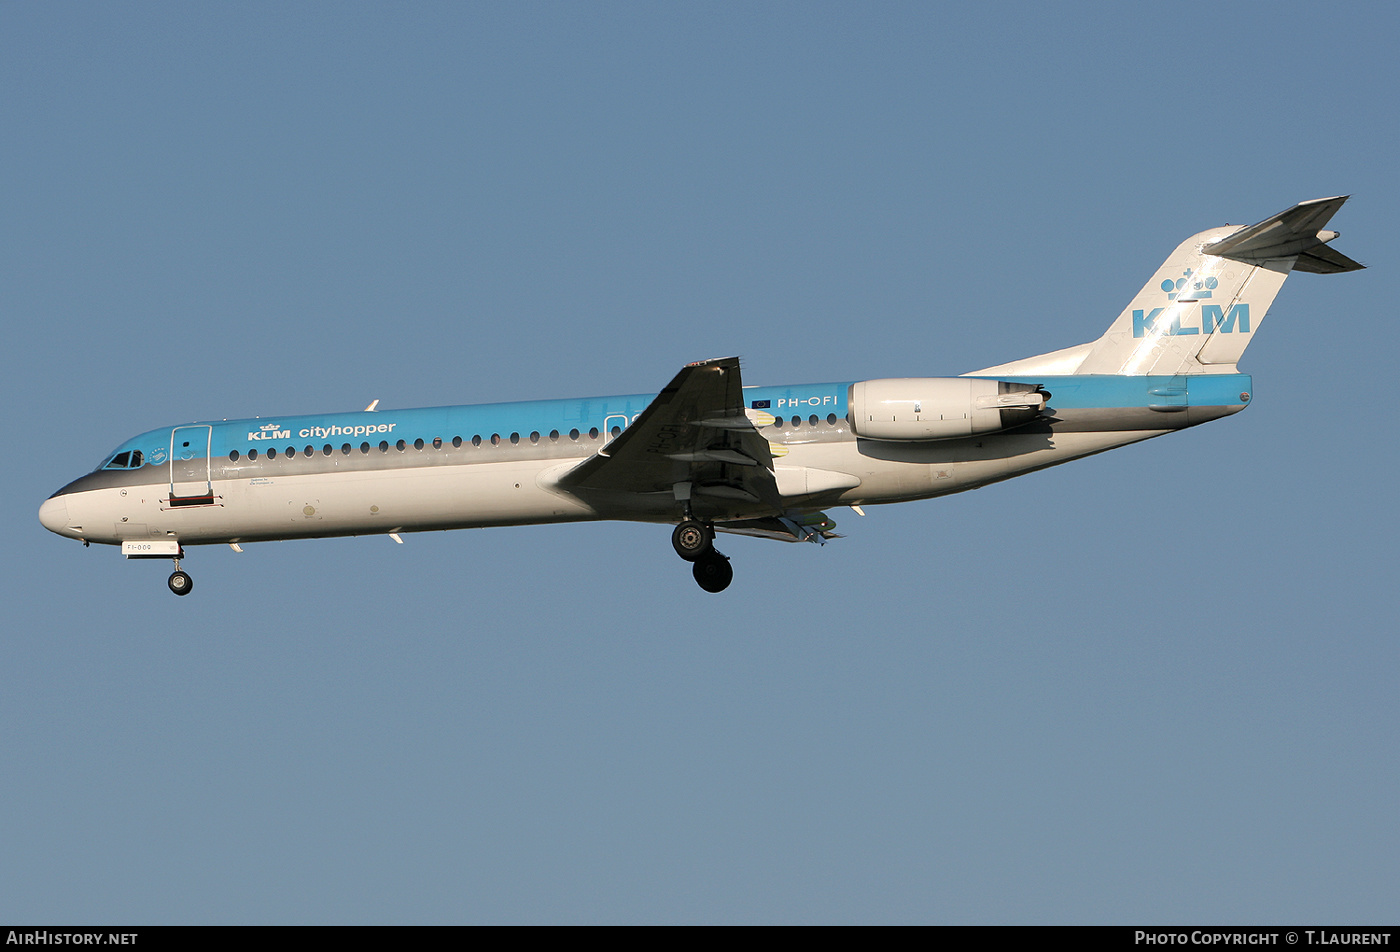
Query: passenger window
x=535, y=437
x=813, y=419
x=554, y=436
x=383, y=446
x=418, y=443
x=252, y=454
x=515, y=439
x=615, y=430
x=476, y=440
x=345, y=450
x=437, y=442
x=233, y=457
x=495, y=439
x=327, y=450
x=364, y=448
x=831, y=419
x=271, y=453
x=593, y=433
x=457, y=442
x=573, y=435
x=400, y=445
x=291, y=451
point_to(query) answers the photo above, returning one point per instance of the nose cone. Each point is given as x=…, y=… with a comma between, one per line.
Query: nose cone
x=54, y=515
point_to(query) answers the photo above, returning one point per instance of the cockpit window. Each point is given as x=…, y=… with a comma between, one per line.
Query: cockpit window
x=127, y=459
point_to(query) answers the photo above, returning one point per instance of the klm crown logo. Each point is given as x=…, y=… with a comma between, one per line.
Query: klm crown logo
x=1189, y=288
x=1182, y=292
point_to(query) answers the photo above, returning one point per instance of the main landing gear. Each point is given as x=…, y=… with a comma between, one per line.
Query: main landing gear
x=694, y=541
x=713, y=572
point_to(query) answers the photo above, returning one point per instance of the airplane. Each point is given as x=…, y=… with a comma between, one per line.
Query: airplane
x=708, y=454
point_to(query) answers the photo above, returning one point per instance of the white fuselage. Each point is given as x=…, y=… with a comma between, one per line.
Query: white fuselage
x=433, y=478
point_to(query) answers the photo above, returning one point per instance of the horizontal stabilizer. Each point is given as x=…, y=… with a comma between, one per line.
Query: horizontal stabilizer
x=1325, y=260
x=1296, y=231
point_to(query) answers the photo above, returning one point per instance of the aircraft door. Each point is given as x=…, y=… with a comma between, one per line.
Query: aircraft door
x=190, y=466
x=617, y=421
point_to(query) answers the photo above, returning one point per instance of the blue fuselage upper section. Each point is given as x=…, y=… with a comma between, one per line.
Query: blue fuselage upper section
x=572, y=419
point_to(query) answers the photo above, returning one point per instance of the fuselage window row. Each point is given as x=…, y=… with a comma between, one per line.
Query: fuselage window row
x=796, y=422
x=133, y=459
x=124, y=460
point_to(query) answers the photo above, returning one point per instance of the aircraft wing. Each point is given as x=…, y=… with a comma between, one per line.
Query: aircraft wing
x=695, y=432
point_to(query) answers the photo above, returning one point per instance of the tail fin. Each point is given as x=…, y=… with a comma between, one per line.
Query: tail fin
x=1199, y=311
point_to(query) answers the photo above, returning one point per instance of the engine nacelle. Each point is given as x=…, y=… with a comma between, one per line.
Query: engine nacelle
x=941, y=408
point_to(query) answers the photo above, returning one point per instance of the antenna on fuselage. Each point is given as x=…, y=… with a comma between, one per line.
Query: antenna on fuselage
x=372, y=405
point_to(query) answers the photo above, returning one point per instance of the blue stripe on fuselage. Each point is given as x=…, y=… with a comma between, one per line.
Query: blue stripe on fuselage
x=542, y=416
x=1108, y=391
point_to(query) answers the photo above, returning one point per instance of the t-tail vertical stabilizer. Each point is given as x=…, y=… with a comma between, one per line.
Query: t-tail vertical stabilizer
x=1198, y=313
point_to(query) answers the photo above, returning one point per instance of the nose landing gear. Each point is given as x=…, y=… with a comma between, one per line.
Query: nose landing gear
x=180, y=582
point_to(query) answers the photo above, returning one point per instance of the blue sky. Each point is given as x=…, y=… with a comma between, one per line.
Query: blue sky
x=1156, y=686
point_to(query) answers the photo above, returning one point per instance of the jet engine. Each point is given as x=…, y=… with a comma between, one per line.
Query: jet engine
x=941, y=408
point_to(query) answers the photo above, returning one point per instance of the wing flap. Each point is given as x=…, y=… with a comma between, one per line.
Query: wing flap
x=789, y=527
